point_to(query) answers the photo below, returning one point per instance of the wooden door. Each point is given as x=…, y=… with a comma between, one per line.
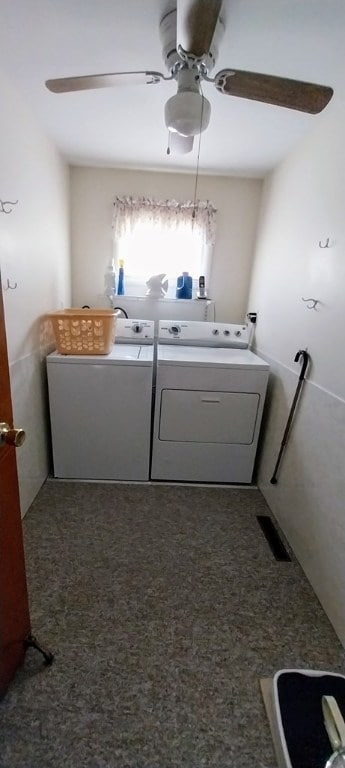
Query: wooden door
x=14, y=606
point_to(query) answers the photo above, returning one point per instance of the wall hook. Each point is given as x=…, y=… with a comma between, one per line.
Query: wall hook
x=10, y=287
x=5, y=203
x=326, y=244
x=313, y=304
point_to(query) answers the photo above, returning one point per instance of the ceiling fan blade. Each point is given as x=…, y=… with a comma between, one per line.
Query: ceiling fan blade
x=180, y=145
x=86, y=82
x=280, y=91
x=196, y=24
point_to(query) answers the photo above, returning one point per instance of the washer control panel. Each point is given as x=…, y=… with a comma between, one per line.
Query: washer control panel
x=138, y=331
x=198, y=333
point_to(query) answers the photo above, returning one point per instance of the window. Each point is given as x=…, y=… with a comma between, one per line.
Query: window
x=162, y=237
x=151, y=250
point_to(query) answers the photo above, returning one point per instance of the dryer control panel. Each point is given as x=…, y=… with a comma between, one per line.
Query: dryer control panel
x=197, y=333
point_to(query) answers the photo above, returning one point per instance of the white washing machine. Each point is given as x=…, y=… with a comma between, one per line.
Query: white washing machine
x=210, y=392
x=100, y=408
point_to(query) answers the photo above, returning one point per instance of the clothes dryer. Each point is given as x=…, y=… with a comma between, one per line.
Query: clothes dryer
x=210, y=393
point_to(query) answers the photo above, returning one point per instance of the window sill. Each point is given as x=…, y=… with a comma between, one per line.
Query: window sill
x=146, y=308
x=163, y=299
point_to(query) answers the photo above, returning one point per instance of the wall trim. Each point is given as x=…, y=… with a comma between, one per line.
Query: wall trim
x=310, y=382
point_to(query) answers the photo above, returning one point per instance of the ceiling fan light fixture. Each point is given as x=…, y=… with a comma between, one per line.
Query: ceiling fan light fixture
x=187, y=113
x=180, y=145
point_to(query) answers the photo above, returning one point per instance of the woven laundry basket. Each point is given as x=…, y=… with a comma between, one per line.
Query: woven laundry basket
x=84, y=331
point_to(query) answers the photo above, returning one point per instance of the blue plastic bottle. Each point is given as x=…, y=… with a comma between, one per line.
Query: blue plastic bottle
x=121, y=280
x=184, y=286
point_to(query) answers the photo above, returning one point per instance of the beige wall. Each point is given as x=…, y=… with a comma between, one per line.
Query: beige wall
x=34, y=254
x=92, y=194
x=303, y=204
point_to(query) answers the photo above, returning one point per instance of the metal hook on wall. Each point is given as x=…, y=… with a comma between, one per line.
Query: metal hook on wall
x=326, y=243
x=5, y=203
x=313, y=304
x=10, y=287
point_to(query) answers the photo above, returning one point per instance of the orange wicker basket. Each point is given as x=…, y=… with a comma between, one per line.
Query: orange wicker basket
x=84, y=331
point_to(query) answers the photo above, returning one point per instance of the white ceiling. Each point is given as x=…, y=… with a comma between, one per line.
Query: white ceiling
x=41, y=39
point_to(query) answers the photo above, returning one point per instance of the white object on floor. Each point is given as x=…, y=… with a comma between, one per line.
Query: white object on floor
x=335, y=727
x=100, y=408
x=210, y=392
x=269, y=687
x=266, y=685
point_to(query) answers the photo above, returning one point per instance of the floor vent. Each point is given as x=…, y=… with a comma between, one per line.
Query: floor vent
x=275, y=543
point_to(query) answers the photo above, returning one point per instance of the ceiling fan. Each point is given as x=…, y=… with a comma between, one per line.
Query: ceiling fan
x=190, y=36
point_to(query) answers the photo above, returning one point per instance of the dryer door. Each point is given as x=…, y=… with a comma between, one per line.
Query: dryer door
x=208, y=417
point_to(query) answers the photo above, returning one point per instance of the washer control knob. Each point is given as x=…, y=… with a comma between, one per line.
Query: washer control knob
x=238, y=333
x=215, y=332
x=226, y=332
x=174, y=329
x=137, y=327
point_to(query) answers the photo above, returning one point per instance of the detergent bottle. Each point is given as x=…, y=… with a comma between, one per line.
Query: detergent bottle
x=121, y=279
x=184, y=286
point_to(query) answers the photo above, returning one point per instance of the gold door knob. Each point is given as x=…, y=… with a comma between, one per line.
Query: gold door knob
x=10, y=436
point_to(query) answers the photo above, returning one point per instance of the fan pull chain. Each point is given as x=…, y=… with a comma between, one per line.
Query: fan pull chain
x=168, y=147
x=197, y=163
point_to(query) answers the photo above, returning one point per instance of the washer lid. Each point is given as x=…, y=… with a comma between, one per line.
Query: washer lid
x=121, y=354
x=213, y=357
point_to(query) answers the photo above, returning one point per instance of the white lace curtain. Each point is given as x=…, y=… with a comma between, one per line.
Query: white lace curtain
x=201, y=215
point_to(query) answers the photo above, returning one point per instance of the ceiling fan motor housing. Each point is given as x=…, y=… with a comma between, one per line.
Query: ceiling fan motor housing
x=172, y=59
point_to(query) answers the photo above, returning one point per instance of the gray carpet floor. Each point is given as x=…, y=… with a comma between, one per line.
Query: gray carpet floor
x=164, y=606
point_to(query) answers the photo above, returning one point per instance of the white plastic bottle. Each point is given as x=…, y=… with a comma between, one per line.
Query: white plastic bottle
x=110, y=281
